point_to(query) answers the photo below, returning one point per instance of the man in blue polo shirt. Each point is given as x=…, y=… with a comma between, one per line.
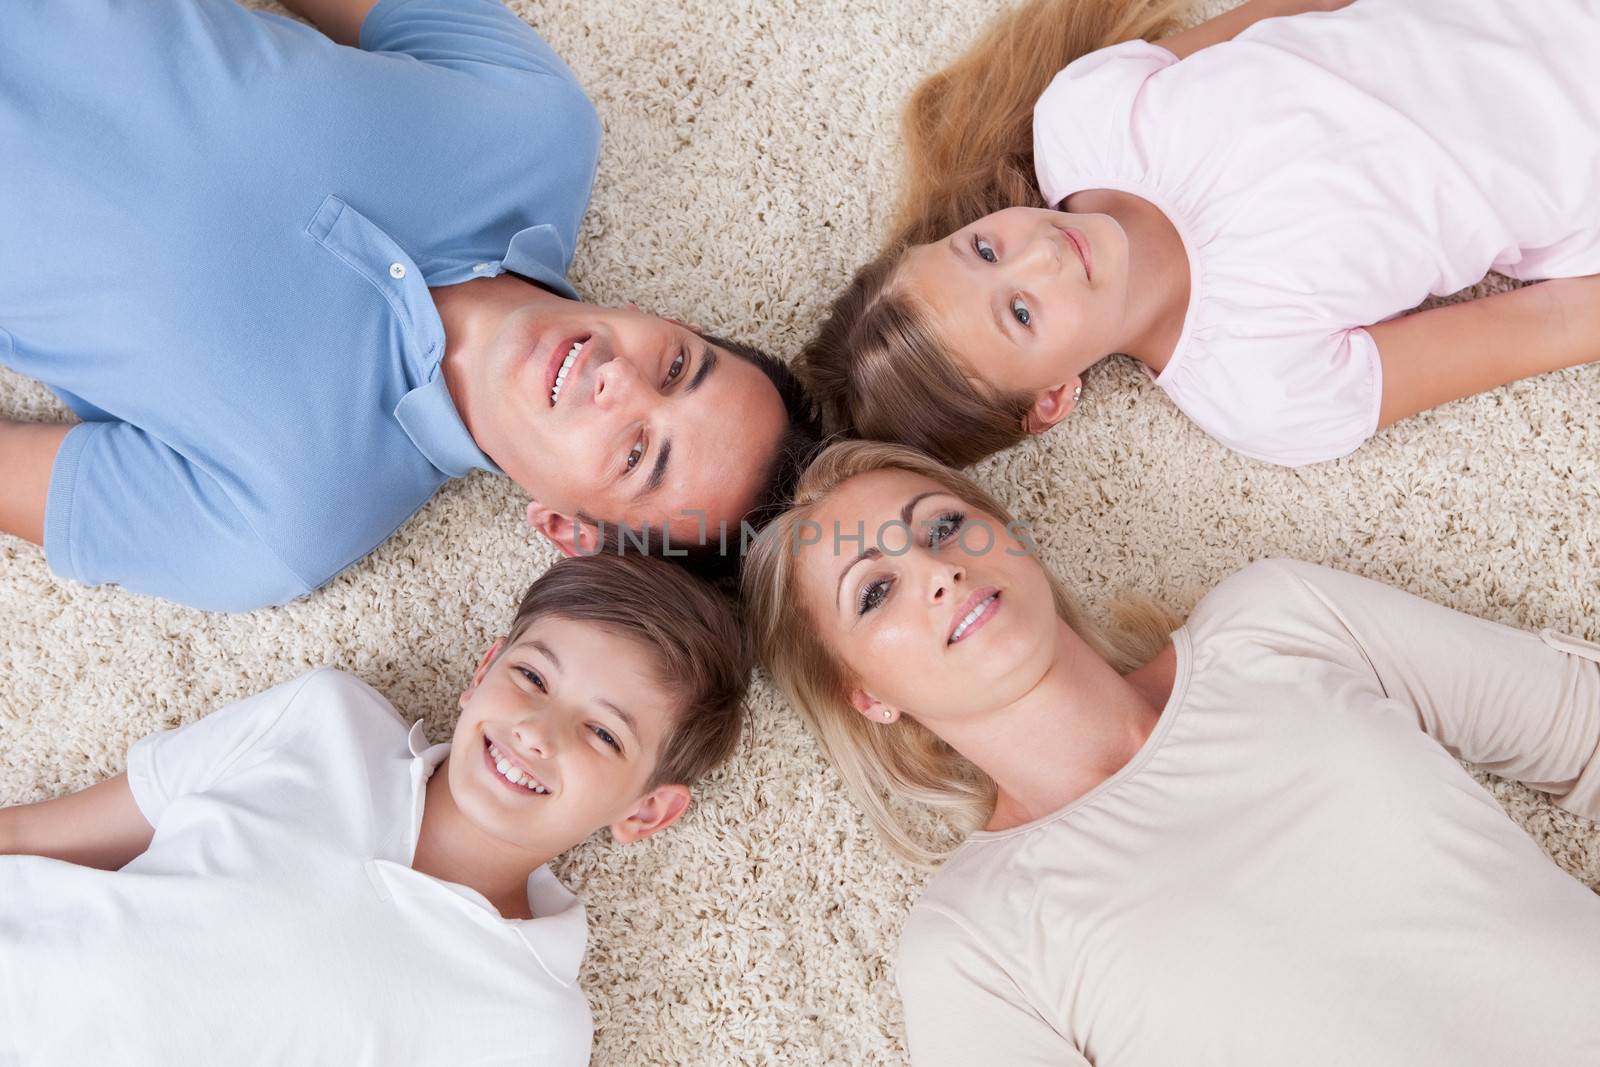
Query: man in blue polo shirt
x=292, y=287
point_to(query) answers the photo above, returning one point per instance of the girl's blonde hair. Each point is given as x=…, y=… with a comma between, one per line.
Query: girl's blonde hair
x=885, y=766
x=877, y=366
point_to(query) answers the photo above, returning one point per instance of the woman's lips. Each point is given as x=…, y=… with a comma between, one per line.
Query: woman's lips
x=986, y=602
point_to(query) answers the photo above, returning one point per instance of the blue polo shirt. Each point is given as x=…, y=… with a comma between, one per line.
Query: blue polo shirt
x=217, y=233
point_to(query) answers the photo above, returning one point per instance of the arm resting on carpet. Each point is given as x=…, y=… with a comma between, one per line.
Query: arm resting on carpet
x=340, y=19
x=98, y=827
x=1229, y=24
x=27, y=455
x=1435, y=356
x=1524, y=706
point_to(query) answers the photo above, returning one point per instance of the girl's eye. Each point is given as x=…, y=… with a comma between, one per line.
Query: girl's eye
x=635, y=454
x=533, y=676
x=985, y=250
x=945, y=527
x=605, y=735
x=873, y=595
x=676, y=369
x=1020, y=310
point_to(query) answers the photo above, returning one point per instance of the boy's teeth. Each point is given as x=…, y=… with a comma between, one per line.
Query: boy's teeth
x=512, y=773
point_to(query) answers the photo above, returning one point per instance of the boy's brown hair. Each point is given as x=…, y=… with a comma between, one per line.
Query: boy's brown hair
x=701, y=651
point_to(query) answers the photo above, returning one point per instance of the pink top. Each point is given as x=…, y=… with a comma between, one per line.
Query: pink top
x=1329, y=171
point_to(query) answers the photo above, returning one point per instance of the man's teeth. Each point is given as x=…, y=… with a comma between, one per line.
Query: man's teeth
x=512, y=773
x=972, y=617
x=566, y=365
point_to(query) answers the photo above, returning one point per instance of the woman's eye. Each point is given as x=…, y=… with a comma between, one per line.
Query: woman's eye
x=635, y=454
x=605, y=735
x=945, y=527
x=533, y=676
x=985, y=250
x=872, y=596
x=1020, y=310
x=676, y=369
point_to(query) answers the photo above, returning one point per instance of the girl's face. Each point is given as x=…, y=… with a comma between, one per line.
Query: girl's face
x=1026, y=299
x=937, y=610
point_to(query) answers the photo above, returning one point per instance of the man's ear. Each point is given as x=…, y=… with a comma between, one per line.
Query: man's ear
x=570, y=536
x=656, y=810
x=871, y=708
x=1052, y=405
x=483, y=669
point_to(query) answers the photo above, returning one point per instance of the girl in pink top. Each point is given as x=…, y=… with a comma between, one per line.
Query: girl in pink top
x=1245, y=208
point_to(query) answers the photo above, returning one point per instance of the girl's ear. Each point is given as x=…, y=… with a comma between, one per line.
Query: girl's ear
x=570, y=536
x=1052, y=405
x=871, y=708
x=483, y=669
x=656, y=810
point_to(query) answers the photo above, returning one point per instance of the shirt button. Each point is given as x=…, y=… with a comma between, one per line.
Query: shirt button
x=479, y=268
x=397, y=271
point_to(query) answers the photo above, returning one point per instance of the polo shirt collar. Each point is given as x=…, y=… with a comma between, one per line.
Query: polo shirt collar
x=559, y=931
x=536, y=253
x=429, y=417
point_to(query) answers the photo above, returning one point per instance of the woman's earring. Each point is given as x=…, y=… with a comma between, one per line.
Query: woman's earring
x=1077, y=391
x=888, y=714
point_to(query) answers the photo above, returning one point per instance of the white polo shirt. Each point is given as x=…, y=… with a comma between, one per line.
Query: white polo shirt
x=276, y=919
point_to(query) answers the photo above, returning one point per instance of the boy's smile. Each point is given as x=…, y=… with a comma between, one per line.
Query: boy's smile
x=559, y=735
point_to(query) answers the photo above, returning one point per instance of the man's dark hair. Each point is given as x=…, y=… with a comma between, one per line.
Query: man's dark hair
x=719, y=557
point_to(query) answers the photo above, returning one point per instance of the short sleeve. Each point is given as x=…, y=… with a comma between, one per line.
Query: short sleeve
x=1289, y=398
x=189, y=759
x=1084, y=122
x=124, y=507
x=477, y=37
x=962, y=1008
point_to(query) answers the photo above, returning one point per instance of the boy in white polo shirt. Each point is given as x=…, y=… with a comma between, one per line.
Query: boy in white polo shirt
x=301, y=878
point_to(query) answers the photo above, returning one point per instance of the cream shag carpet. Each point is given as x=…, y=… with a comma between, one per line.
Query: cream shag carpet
x=748, y=165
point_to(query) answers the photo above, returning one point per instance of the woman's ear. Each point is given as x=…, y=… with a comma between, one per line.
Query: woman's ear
x=871, y=708
x=483, y=669
x=1052, y=405
x=656, y=810
x=570, y=536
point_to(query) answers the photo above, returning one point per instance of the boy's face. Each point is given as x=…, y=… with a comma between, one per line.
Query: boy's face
x=559, y=735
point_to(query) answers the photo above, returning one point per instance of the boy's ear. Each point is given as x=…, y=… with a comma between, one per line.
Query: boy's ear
x=871, y=708
x=570, y=536
x=483, y=669
x=656, y=810
x=1052, y=405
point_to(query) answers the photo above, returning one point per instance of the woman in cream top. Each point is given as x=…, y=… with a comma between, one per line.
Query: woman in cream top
x=1258, y=848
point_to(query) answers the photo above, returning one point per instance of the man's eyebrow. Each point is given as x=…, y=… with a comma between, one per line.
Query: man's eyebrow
x=708, y=363
x=548, y=653
x=658, y=472
x=623, y=715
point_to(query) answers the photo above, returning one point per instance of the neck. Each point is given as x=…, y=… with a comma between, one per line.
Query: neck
x=1077, y=727
x=1159, y=303
x=472, y=313
x=452, y=848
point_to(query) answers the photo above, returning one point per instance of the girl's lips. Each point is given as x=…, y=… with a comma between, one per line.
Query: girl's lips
x=1080, y=245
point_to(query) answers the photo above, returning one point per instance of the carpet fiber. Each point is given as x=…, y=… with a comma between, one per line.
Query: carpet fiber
x=748, y=165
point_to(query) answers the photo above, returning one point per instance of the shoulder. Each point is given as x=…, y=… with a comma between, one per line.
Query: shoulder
x=328, y=696
x=1083, y=121
x=1279, y=604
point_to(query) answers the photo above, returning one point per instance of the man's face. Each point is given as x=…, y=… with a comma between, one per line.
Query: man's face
x=626, y=417
x=559, y=735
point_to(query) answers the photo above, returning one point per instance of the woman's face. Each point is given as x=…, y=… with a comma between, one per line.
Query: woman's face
x=936, y=610
x=1026, y=299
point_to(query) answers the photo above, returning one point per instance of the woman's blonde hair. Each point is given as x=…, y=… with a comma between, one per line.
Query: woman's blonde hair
x=877, y=366
x=883, y=766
